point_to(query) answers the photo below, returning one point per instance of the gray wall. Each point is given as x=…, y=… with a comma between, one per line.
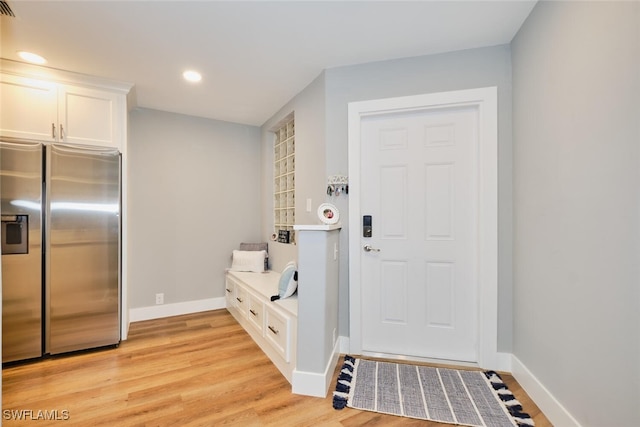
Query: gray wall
x=310, y=177
x=194, y=195
x=576, y=85
x=411, y=76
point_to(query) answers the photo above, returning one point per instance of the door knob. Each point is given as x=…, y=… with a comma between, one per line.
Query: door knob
x=369, y=248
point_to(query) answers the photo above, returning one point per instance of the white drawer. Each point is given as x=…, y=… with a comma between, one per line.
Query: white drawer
x=230, y=293
x=278, y=332
x=242, y=299
x=255, y=312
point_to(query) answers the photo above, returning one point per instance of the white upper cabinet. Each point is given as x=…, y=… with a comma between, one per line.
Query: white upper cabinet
x=28, y=108
x=49, y=110
x=89, y=116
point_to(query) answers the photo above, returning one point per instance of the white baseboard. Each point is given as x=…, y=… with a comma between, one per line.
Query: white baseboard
x=548, y=404
x=176, y=309
x=316, y=384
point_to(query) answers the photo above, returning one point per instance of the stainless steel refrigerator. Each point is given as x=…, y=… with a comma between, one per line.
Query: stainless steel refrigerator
x=60, y=208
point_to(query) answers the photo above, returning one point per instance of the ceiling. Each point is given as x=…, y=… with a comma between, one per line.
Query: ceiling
x=254, y=55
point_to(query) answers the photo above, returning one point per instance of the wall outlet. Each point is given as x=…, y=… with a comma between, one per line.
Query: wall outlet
x=159, y=299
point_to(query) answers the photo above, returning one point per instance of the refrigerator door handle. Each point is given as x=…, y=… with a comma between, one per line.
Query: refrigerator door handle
x=19, y=144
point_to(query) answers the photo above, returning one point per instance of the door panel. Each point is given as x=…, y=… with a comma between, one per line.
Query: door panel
x=440, y=301
x=394, y=291
x=393, y=202
x=419, y=182
x=439, y=201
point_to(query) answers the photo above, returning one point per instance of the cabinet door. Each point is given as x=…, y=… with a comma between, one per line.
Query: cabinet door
x=28, y=108
x=90, y=117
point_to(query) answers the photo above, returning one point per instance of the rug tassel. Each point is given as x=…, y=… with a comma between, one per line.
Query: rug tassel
x=345, y=376
x=513, y=406
x=343, y=386
x=524, y=421
x=339, y=402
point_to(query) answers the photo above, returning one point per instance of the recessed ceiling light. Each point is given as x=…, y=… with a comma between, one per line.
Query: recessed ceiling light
x=32, y=57
x=192, y=76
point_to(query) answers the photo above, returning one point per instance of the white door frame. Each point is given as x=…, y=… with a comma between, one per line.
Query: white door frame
x=485, y=99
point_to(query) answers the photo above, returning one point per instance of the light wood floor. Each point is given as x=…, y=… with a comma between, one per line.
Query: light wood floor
x=194, y=370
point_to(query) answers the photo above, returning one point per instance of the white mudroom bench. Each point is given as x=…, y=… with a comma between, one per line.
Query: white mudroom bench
x=272, y=324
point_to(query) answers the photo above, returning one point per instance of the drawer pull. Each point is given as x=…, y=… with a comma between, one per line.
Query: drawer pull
x=274, y=330
x=253, y=312
x=239, y=299
x=228, y=290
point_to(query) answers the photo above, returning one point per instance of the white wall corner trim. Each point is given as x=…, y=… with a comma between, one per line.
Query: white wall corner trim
x=503, y=362
x=176, y=309
x=345, y=345
x=312, y=383
x=548, y=404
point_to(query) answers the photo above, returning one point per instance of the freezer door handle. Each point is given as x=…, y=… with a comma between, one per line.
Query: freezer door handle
x=83, y=149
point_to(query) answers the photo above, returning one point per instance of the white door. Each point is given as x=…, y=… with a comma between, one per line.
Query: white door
x=419, y=275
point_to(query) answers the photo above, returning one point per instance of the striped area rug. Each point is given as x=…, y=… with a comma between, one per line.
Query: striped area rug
x=470, y=398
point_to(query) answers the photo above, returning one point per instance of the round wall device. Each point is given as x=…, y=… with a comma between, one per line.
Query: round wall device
x=328, y=213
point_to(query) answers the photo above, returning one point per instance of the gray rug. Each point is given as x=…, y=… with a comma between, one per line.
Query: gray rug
x=470, y=398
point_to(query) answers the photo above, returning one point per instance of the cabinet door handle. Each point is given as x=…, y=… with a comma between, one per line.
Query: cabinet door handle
x=61, y=132
x=53, y=131
x=253, y=312
x=274, y=330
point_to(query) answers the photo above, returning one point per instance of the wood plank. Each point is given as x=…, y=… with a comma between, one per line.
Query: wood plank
x=200, y=369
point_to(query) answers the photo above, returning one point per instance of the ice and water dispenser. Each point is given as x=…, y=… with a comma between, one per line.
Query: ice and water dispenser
x=15, y=234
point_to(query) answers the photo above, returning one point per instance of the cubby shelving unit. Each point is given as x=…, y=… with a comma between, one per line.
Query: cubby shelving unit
x=284, y=177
